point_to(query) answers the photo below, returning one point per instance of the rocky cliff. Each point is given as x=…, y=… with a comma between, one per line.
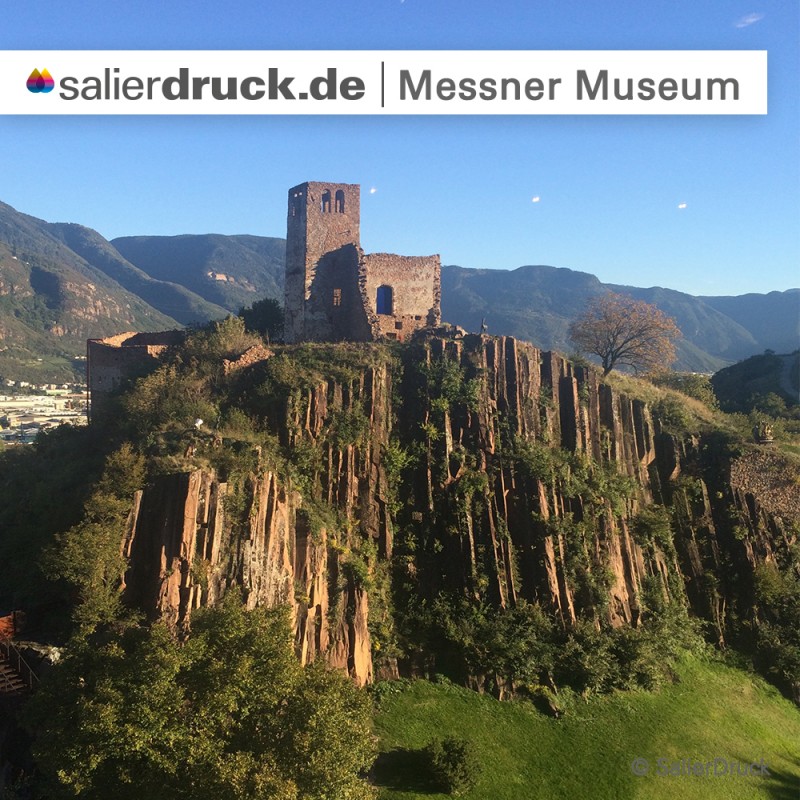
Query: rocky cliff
x=480, y=467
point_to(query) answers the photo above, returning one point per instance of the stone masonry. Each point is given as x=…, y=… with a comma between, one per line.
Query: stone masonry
x=112, y=361
x=336, y=292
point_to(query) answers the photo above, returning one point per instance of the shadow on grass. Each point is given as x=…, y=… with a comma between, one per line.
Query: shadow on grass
x=783, y=785
x=403, y=769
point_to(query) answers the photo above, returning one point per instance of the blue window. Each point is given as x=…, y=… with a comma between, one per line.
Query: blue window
x=385, y=300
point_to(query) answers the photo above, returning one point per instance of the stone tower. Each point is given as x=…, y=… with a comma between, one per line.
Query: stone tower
x=322, y=235
x=333, y=290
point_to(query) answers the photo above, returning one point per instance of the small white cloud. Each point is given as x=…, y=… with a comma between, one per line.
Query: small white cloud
x=681, y=205
x=748, y=19
x=535, y=199
x=372, y=190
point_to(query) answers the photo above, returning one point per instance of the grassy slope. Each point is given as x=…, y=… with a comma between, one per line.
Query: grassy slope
x=713, y=711
x=736, y=385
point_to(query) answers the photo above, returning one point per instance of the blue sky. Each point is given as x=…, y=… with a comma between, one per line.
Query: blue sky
x=609, y=187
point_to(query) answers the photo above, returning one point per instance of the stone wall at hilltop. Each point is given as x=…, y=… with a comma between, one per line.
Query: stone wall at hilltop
x=508, y=537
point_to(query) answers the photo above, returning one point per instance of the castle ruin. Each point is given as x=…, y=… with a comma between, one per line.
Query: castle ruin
x=336, y=292
x=112, y=361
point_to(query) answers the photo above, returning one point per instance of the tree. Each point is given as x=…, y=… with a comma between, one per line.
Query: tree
x=691, y=384
x=87, y=557
x=132, y=713
x=624, y=331
x=453, y=764
x=264, y=317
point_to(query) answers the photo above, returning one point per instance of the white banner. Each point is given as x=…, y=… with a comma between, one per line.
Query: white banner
x=383, y=82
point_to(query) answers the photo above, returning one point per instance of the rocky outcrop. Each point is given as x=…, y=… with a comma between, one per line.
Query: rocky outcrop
x=523, y=478
x=192, y=537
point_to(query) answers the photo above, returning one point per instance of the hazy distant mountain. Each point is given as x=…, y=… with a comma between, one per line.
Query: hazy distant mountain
x=538, y=302
x=533, y=303
x=52, y=300
x=231, y=271
x=704, y=329
x=67, y=283
x=169, y=298
x=772, y=318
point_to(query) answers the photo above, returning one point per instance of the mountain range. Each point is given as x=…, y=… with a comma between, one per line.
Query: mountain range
x=61, y=283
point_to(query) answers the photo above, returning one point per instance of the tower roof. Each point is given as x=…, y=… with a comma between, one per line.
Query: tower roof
x=324, y=185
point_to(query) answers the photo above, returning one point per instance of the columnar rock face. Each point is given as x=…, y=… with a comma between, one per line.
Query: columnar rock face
x=190, y=540
x=542, y=399
x=526, y=478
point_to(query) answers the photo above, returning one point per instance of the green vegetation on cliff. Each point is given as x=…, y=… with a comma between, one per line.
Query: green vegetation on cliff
x=470, y=507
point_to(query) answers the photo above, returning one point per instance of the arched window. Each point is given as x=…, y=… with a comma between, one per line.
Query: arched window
x=326, y=201
x=385, y=300
x=340, y=201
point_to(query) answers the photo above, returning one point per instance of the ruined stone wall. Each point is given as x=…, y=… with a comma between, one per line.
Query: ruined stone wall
x=116, y=359
x=334, y=311
x=415, y=283
x=331, y=286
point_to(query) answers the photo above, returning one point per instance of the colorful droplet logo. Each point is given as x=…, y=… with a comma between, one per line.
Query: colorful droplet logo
x=40, y=82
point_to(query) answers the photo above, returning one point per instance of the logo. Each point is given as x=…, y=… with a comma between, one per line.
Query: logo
x=640, y=767
x=40, y=82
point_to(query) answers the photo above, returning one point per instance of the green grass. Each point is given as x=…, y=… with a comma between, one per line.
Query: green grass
x=46, y=368
x=712, y=711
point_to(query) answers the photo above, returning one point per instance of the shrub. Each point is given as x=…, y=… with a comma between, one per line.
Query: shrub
x=585, y=660
x=778, y=631
x=264, y=317
x=672, y=414
x=653, y=526
x=453, y=765
x=206, y=347
x=691, y=384
x=446, y=385
x=230, y=713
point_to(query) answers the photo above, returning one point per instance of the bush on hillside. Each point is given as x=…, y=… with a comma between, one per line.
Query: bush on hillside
x=692, y=384
x=453, y=764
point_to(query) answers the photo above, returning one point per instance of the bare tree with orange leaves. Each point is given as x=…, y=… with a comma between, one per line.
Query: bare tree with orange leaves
x=624, y=331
